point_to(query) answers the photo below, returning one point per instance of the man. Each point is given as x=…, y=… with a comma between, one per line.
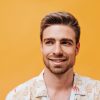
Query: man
x=60, y=35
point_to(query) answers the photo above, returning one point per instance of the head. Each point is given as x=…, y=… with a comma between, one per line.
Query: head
x=60, y=34
x=60, y=18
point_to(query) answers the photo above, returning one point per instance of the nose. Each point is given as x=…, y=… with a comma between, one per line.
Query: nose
x=58, y=50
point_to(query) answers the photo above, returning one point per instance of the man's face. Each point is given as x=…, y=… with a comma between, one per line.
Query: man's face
x=59, y=48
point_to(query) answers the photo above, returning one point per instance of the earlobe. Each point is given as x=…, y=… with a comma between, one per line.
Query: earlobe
x=77, y=47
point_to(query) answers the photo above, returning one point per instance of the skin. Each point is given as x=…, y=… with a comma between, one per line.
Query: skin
x=59, y=51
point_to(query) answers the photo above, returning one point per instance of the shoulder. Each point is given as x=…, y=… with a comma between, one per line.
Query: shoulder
x=89, y=81
x=22, y=92
x=88, y=84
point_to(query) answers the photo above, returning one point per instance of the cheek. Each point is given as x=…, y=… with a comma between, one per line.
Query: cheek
x=47, y=50
x=69, y=50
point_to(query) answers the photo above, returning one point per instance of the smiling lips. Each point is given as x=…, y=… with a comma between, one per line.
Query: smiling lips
x=58, y=60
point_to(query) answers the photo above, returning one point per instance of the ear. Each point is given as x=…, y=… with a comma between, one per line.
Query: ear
x=77, y=48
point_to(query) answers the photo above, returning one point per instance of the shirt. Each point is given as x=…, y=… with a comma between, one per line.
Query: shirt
x=84, y=88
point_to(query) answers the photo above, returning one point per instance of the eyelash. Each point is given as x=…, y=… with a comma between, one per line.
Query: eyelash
x=66, y=43
x=49, y=42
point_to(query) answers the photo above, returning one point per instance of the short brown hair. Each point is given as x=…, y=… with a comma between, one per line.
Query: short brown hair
x=63, y=18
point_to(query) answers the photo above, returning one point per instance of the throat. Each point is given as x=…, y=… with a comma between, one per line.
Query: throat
x=59, y=87
x=61, y=82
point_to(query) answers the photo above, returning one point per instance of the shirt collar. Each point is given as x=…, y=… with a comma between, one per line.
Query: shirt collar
x=78, y=86
x=41, y=89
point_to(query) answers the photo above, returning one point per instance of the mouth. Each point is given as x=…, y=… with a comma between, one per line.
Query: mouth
x=58, y=60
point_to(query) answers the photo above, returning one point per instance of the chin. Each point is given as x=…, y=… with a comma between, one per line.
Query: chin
x=58, y=70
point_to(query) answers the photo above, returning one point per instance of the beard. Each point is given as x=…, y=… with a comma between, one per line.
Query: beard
x=58, y=69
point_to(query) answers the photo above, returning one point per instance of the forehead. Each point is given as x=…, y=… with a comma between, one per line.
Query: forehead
x=59, y=32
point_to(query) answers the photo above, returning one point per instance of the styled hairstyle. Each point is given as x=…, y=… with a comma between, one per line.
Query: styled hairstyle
x=60, y=18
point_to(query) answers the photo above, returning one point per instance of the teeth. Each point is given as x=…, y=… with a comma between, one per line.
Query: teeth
x=58, y=60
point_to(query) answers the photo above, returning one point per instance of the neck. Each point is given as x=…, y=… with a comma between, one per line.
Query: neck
x=56, y=82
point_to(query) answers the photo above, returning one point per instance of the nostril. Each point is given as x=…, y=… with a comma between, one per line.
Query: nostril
x=58, y=53
x=58, y=50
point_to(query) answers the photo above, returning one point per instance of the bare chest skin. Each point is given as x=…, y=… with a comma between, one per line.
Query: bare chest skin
x=60, y=95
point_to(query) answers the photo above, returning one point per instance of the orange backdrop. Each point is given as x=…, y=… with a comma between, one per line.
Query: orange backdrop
x=20, y=56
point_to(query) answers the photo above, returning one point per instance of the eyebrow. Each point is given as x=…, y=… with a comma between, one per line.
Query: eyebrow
x=51, y=39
